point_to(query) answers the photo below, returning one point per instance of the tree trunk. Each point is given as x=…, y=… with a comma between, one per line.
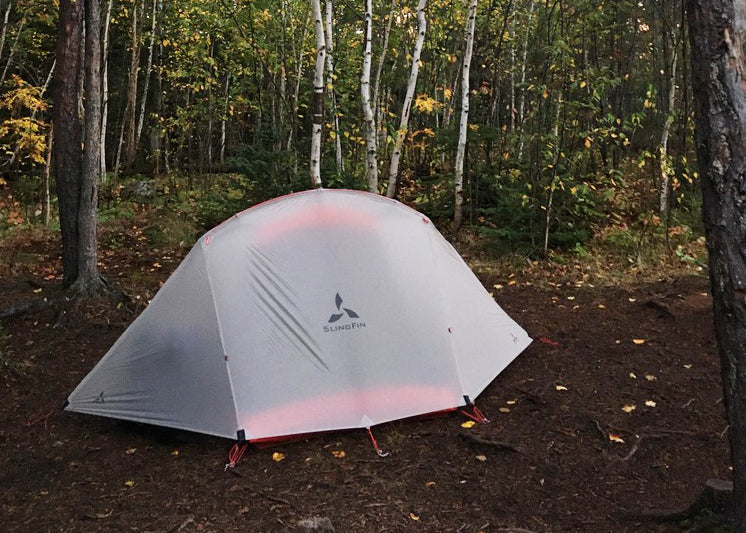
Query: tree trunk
x=318, y=95
x=665, y=165
x=458, y=179
x=411, y=85
x=105, y=88
x=46, y=205
x=67, y=131
x=717, y=31
x=148, y=70
x=371, y=159
x=12, y=51
x=4, y=33
x=89, y=280
x=330, y=85
x=126, y=148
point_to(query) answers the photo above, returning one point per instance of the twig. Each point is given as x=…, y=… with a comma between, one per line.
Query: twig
x=490, y=443
x=633, y=450
x=275, y=499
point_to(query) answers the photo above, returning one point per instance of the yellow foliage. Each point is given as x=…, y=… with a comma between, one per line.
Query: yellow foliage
x=425, y=104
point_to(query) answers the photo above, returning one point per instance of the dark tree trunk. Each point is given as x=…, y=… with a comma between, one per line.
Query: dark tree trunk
x=67, y=131
x=88, y=275
x=716, y=30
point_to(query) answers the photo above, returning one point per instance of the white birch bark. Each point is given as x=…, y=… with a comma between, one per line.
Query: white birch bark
x=665, y=165
x=522, y=95
x=105, y=87
x=148, y=69
x=458, y=179
x=224, y=119
x=330, y=84
x=318, y=95
x=379, y=68
x=4, y=33
x=371, y=159
x=13, y=50
x=406, y=108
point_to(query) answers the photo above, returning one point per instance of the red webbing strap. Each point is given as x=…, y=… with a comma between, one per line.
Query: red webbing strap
x=477, y=416
x=234, y=456
x=380, y=452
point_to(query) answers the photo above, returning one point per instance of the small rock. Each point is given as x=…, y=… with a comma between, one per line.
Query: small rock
x=315, y=525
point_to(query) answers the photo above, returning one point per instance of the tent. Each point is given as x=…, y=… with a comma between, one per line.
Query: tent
x=320, y=310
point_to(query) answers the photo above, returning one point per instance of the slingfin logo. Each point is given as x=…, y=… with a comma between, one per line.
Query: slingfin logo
x=341, y=312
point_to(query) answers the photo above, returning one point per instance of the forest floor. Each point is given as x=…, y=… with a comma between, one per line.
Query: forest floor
x=614, y=409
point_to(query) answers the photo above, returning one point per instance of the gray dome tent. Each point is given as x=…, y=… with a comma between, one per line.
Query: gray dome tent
x=321, y=310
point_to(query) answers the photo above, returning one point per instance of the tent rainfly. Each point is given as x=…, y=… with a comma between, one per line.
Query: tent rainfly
x=321, y=310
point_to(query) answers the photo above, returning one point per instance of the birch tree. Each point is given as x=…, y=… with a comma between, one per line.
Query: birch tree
x=458, y=179
x=330, y=82
x=371, y=158
x=318, y=95
x=407, y=106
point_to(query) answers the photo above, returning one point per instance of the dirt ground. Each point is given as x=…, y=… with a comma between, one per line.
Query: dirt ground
x=588, y=424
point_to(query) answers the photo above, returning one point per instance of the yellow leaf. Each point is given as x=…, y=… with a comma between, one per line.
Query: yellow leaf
x=511, y=402
x=414, y=517
x=650, y=403
x=338, y=453
x=650, y=377
x=601, y=306
x=628, y=407
x=175, y=453
x=582, y=84
x=504, y=410
x=130, y=451
x=545, y=94
x=277, y=457
x=687, y=366
x=481, y=458
x=587, y=142
x=430, y=484
x=638, y=341
x=468, y=424
x=498, y=286
x=632, y=375
x=129, y=483
x=616, y=438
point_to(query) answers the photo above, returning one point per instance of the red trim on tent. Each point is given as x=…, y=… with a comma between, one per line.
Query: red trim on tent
x=386, y=403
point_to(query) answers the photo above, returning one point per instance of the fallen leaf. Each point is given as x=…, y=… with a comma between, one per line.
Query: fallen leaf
x=468, y=424
x=481, y=458
x=498, y=286
x=414, y=517
x=129, y=483
x=632, y=299
x=650, y=403
x=638, y=341
x=628, y=408
x=650, y=377
x=511, y=402
x=277, y=457
x=130, y=451
x=687, y=366
x=504, y=410
x=430, y=484
x=601, y=306
x=560, y=387
x=338, y=453
x=613, y=437
x=632, y=375
x=175, y=453
x=571, y=297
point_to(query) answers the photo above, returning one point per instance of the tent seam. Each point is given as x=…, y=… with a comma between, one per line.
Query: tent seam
x=220, y=334
x=432, y=233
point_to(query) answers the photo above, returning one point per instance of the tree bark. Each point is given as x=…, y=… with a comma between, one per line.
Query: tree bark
x=371, y=158
x=411, y=85
x=717, y=32
x=67, y=131
x=148, y=70
x=458, y=179
x=330, y=85
x=89, y=280
x=105, y=88
x=665, y=165
x=318, y=95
